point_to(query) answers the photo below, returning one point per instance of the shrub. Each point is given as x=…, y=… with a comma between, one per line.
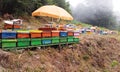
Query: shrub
x=114, y=63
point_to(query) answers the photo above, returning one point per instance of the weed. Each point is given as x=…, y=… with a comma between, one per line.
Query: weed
x=86, y=57
x=28, y=69
x=105, y=70
x=30, y=53
x=17, y=64
x=114, y=63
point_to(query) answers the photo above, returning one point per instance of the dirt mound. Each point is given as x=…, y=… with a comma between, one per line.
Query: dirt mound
x=92, y=54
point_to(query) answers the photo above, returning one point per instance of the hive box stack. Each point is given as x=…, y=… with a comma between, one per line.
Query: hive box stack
x=13, y=24
x=70, y=36
x=63, y=36
x=8, y=39
x=55, y=37
x=46, y=37
x=36, y=36
x=23, y=38
x=76, y=36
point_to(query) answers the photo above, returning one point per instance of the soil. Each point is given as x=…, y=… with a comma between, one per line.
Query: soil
x=94, y=53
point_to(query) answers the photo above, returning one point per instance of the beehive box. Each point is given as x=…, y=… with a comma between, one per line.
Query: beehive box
x=76, y=33
x=63, y=39
x=55, y=33
x=46, y=34
x=76, y=39
x=46, y=41
x=70, y=33
x=8, y=43
x=8, y=34
x=35, y=41
x=23, y=42
x=63, y=33
x=55, y=40
x=23, y=34
x=35, y=33
x=88, y=32
x=70, y=39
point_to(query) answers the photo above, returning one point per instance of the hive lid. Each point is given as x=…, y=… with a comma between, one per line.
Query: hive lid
x=36, y=31
x=9, y=40
x=23, y=31
x=10, y=31
x=55, y=31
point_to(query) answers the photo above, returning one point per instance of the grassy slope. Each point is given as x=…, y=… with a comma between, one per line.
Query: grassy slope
x=92, y=54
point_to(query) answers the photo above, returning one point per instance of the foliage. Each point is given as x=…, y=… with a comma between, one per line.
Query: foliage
x=114, y=63
x=21, y=7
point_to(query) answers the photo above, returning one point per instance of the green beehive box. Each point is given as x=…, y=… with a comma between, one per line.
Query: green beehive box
x=23, y=42
x=76, y=39
x=23, y=39
x=55, y=40
x=70, y=37
x=63, y=39
x=35, y=41
x=8, y=43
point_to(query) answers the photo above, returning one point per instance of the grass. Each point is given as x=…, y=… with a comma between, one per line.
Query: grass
x=30, y=53
x=105, y=70
x=114, y=63
x=40, y=69
x=86, y=57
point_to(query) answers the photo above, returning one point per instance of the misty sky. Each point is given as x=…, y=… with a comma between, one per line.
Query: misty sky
x=116, y=4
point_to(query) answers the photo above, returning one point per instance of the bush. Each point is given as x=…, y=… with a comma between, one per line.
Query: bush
x=114, y=63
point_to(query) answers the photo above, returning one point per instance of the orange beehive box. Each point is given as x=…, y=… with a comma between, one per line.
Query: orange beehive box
x=70, y=33
x=23, y=34
x=55, y=34
x=35, y=33
x=46, y=34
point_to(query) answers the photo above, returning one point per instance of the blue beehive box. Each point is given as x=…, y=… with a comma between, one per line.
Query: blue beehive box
x=8, y=34
x=46, y=41
x=63, y=33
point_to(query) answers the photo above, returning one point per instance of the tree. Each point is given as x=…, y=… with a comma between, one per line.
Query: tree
x=21, y=7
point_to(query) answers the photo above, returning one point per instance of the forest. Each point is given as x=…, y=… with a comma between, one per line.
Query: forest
x=95, y=14
x=21, y=7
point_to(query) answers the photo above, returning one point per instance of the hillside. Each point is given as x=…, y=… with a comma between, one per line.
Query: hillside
x=92, y=54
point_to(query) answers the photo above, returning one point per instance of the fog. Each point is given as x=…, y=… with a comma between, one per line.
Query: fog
x=96, y=12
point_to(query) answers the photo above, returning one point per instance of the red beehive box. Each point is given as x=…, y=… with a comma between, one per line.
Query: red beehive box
x=47, y=29
x=70, y=33
x=55, y=33
x=8, y=26
x=35, y=33
x=23, y=34
x=46, y=34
